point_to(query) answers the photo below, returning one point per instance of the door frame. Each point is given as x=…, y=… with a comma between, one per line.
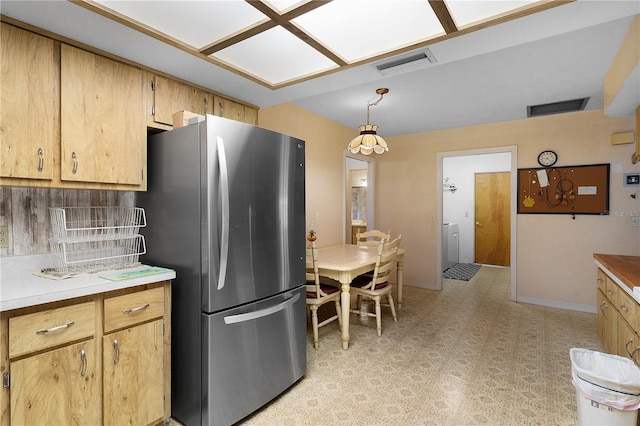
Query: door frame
x=371, y=194
x=513, y=149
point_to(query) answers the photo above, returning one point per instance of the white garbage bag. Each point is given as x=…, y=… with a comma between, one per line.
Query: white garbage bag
x=608, y=379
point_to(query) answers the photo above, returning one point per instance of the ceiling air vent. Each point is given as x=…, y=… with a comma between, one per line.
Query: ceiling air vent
x=557, y=107
x=407, y=59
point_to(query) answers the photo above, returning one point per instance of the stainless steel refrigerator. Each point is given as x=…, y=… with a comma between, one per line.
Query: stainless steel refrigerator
x=225, y=208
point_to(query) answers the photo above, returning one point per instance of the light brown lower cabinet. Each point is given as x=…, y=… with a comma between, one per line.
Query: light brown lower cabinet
x=101, y=359
x=617, y=319
x=57, y=387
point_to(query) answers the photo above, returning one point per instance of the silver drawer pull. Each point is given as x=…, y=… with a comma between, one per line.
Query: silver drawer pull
x=83, y=358
x=40, y=159
x=74, y=157
x=139, y=308
x=57, y=328
x=116, y=354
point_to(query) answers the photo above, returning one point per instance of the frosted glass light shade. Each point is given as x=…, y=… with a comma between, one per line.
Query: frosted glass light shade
x=368, y=142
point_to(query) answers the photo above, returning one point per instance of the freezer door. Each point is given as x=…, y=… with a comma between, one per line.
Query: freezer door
x=253, y=213
x=252, y=354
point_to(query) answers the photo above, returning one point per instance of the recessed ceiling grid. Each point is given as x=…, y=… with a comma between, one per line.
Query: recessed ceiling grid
x=279, y=43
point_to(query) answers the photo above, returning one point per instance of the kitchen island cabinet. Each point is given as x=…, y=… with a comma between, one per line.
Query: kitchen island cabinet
x=618, y=324
x=100, y=358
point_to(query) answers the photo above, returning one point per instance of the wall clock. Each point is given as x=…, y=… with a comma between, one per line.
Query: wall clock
x=547, y=158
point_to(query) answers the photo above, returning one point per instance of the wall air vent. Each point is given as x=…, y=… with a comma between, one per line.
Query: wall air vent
x=407, y=59
x=557, y=107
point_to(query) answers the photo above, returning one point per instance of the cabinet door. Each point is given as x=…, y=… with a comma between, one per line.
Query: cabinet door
x=235, y=111
x=628, y=341
x=56, y=387
x=170, y=96
x=133, y=375
x=607, y=324
x=29, y=104
x=103, y=131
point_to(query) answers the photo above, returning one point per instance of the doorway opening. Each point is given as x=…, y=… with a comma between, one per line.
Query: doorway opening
x=457, y=172
x=359, y=204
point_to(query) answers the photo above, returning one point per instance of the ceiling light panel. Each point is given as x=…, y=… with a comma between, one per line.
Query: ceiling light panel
x=275, y=56
x=465, y=12
x=359, y=29
x=196, y=23
x=282, y=5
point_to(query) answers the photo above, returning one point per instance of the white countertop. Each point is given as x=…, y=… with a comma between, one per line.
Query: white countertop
x=19, y=287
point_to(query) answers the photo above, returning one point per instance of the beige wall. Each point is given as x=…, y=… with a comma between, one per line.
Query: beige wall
x=325, y=141
x=554, y=260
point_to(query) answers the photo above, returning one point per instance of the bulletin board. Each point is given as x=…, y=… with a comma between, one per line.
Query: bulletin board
x=564, y=190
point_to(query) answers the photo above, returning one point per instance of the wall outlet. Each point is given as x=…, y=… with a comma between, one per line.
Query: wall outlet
x=4, y=237
x=635, y=220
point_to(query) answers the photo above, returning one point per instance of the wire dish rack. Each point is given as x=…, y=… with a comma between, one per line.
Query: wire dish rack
x=92, y=239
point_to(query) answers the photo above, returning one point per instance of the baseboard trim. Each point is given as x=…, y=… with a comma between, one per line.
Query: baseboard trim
x=556, y=304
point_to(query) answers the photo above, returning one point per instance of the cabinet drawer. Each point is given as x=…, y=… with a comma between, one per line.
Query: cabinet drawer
x=42, y=330
x=612, y=292
x=129, y=309
x=628, y=309
x=601, y=279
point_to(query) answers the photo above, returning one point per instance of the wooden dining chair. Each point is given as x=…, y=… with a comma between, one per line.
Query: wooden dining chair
x=318, y=294
x=376, y=285
x=372, y=238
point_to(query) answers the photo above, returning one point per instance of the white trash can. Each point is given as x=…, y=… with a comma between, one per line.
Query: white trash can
x=607, y=388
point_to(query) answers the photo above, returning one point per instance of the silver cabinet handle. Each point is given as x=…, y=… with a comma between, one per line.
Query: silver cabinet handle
x=626, y=346
x=136, y=309
x=57, y=328
x=609, y=291
x=74, y=157
x=633, y=354
x=83, y=358
x=603, y=307
x=624, y=308
x=116, y=347
x=40, y=159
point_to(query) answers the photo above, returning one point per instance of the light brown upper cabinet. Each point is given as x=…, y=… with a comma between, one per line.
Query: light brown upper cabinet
x=29, y=114
x=103, y=132
x=170, y=96
x=235, y=111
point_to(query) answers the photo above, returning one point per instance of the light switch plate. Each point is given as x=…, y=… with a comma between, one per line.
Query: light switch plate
x=635, y=220
x=631, y=179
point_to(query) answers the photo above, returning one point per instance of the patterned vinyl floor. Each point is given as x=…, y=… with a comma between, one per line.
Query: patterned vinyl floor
x=462, y=356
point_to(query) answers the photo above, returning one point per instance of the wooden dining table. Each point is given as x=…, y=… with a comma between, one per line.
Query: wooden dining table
x=343, y=263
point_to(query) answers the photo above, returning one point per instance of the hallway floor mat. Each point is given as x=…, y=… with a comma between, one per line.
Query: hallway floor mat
x=461, y=271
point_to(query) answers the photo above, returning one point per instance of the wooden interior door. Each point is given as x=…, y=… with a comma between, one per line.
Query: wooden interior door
x=492, y=215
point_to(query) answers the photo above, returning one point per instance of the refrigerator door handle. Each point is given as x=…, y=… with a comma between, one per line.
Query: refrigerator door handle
x=224, y=198
x=234, y=319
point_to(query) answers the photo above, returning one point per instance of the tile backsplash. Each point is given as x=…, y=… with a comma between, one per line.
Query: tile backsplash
x=24, y=211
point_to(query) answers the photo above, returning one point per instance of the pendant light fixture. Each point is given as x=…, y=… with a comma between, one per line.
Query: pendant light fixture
x=368, y=141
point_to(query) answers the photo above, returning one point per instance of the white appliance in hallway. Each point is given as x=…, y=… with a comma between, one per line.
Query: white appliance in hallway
x=450, y=245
